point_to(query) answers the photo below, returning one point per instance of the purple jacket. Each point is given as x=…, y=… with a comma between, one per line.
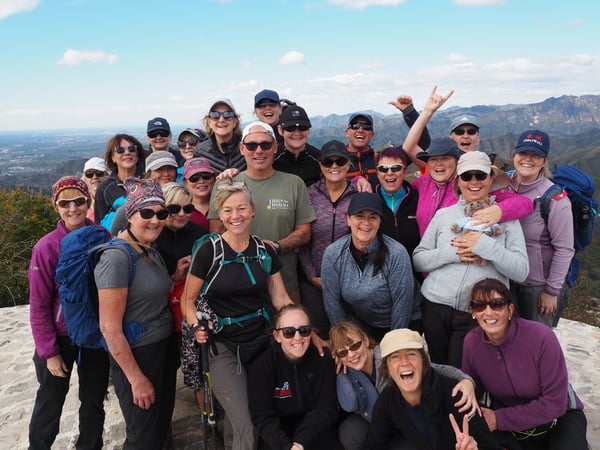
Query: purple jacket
x=331, y=224
x=45, y=313
x=525, y=374
x=549, y=249
x=433, y=197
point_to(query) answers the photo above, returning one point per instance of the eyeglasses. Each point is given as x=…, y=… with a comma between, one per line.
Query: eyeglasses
x=393, y=167
x=174, y=209
x=161, y=133
x=496, y=304
x=183, y=144
x=468, y=176
x=148, y=213
x=290, y=332
x=129, y=149
x=266, y=145
x=204, y=175
x=94, y=173
x=266, y=103
x=352, y=347
x=461, y=131
x=292, y=128
x=330, y=162
x=66, y=203
x=216, y=115
x=364, y=126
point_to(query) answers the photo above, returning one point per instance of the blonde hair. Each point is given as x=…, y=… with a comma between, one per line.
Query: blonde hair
x=175, y=193
x=227, y=188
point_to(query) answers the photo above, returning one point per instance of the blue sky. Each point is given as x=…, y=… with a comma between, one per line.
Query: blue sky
x=118, y=63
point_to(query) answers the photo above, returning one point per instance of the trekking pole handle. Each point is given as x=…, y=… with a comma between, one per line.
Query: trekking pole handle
x=203, y=322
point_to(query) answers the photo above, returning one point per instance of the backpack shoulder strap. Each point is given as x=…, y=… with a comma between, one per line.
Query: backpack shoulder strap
x=554, y=192
x=217, y=245
x=124, y=247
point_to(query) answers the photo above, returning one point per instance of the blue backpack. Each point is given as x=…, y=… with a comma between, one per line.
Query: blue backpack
x=79, y=252
x=579, y=187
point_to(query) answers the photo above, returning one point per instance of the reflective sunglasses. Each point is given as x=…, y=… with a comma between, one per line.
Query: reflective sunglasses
x=204, y=175
x=148, y=213
x=174, y=209
x=94, y=173
x=66, y=203
x=129, y=149
x=290, y=332
x=461, y=131
x=364, y=126
x=352, y=347
x=216, y=115
x=496, y=304
x=292, y=128
x=266, y=145
x=161, y=133
x=393, y=167
x=183, y=144
x=330, y=162
x=468, y=176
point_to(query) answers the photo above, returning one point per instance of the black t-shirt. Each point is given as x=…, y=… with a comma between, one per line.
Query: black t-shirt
x=173, y=245
x=231, y=293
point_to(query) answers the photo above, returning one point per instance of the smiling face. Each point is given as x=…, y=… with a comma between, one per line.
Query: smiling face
x=200, y=188
x=528, y=165
x=164, y=174
x=360, y=139
x=293, y=348
x=359, y=359
x=391, y=181
x=268, y=111
x=475, y=189
x=147, y=230
x=294, y=141
x=494, y=323
x=73, y=215
x=222, y=128
x=159, y=142
x=127, y=160
x=335, y=173
x=441, y=168
x=236, y=213
x=465, y=141
x=259, y=162
x=406, y=368
x=363, y=228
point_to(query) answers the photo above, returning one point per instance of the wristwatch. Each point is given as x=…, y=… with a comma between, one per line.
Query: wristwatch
x=277, y=247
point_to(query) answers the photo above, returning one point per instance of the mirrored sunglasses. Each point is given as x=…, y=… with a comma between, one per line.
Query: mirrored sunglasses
x=342, y=353
x=393, y=167
x=174, y=209
x=147, y=213
x=290, y=332
x=363, y=125
x=66, y=202
x=496, y=304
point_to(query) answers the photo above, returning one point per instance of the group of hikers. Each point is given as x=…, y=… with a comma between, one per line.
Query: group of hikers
x=337, y=300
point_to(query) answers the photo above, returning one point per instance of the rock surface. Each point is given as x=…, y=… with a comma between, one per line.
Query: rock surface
x=580, y=342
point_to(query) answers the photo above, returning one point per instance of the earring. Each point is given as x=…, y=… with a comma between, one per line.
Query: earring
x=473, y=317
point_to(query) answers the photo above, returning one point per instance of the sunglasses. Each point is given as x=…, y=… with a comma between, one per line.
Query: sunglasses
x=174, y=209
x=461, y=131
x=266, y=103
x=352, y=347
x=468, y=176
x=496, y=304
x=292, y=128
x=94, y=173
x=290, y=332
x=161, y=133
x=204, y=175
x=393, y=167
x=129, y=149
x=216, y=115
x=330, y=162
x=364, y=126
x=66, y=203
x=267, y=145
x=184, y=144
x=148, y=213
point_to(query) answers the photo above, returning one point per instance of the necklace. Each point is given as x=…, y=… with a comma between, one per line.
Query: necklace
x=138, y=243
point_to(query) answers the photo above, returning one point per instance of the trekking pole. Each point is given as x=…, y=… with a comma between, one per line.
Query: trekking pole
x=208, y=411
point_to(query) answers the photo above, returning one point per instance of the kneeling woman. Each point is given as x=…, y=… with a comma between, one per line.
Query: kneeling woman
x=291, y=388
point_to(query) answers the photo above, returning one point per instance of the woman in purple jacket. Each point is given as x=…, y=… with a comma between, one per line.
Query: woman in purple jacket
x=520, y=364
x=54, y=355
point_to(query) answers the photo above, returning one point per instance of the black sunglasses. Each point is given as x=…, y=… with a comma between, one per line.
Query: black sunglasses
x=161, y=133
x=266, y=145
x=393, y=167
x=204, y=175
x=292, y=128
x=290, y=332
x=496, y=304
x=216, y=115
x=148, y=213
x=468, y=176
x=66, y=203
x=174, y=209
x=93, y=173
x=183, y=144
x=330, y=162
x=364, y=126
x=352, y=347
x=461, y=131
x=129, y=148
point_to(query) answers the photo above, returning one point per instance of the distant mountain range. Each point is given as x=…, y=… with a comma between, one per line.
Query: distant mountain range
x=36, y=159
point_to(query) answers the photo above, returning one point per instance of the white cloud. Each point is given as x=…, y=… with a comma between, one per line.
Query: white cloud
x=78, y=57
x=478, y=2
x=574, y=22
x=292, y=58
x=456, y=57
x=11, y=7
x=373, y=65
x=363, y=4
x=245, y=64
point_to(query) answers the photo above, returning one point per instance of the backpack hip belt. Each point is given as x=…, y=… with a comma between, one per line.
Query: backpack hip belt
x=261, y=312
